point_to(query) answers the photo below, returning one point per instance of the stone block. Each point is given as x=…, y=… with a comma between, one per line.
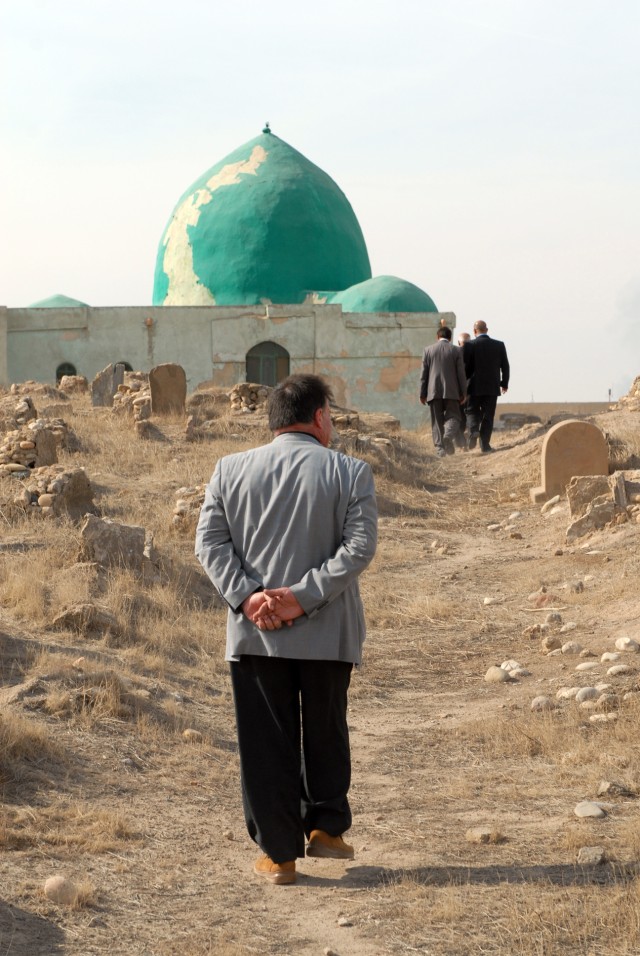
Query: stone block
x=581, y=491
x=598, y=515
x=168, y=385
x=104, y=386
x=571, y=448
x=111, y=544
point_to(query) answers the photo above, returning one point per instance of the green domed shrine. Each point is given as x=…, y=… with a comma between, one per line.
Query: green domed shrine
x=262, y=225
x=261, y=271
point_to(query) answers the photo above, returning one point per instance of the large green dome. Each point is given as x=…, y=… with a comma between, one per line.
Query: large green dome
x=385, y=294
x=262, y=224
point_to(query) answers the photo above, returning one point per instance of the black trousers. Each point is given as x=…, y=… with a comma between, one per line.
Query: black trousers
x=293, y=739
x=481, y=410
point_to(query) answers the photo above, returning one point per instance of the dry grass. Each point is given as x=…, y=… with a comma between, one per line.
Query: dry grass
x=70, y=828
x=27, y=749
x=98, y=772
x=530, y=918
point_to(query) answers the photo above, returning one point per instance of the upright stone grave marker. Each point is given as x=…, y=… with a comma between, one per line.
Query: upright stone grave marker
x=168, y=385
x=105, y=385
x=570, y=448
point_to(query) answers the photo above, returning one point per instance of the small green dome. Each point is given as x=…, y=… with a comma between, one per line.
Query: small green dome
x=384, y=294
x=58, y=302
x=262, y=224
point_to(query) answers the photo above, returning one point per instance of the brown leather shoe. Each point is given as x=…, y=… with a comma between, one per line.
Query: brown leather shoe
x=275, y=872
x=328, y=847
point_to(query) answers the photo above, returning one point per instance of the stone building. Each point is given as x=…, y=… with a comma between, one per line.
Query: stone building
x=262, y=270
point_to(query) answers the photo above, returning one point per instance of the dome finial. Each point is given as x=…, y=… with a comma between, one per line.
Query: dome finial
x=267, y=128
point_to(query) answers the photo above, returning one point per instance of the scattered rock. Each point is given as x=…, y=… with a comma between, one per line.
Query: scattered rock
x=587, y=693
x=627, y=644
x=548, y=505
x=510, y=665
x=591, y=856
x=569, y=626
x=587, y=809
x=550, y=643
x=497, y=675
x=568, y=693
x=618, y=669
x=61, y=890
x=571, y=647
x=542, y=704
x=483, y=835
x=86, y=619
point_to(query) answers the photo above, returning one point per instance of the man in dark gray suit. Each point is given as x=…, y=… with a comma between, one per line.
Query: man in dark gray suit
x=487, y=370
x=284, y=533
x=443, y=387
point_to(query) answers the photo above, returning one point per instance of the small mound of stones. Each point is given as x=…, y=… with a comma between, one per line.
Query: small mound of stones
x=14, y=414
x=133, y=397
x=248, y=397
x=187, y=507
x=25, y=448
x=56, y=490
x=73, y=384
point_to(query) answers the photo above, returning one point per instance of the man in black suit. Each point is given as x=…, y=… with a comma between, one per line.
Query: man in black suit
x=487, y=368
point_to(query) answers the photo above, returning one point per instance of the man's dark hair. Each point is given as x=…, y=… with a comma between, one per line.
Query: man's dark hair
x=444, y=332
x=296, y=399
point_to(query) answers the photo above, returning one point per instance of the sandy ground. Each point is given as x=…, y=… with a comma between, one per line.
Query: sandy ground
x=436, y=750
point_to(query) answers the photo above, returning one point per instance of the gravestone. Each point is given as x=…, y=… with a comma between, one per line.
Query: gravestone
x=105, y=385
x=168, y=385
x=570, y=448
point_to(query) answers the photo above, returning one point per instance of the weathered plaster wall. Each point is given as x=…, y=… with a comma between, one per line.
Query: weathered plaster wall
x=372, y=360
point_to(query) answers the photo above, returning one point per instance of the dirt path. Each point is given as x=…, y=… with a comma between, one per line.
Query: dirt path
x=177, y=878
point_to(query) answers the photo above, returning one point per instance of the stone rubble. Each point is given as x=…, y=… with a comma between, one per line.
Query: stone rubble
x=187, y=508
x=26, y=448
x=248, y=397
x=133, y=397
x=73, y=384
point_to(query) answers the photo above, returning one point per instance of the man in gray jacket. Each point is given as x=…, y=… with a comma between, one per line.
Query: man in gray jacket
x=443, y=386
x=284, y=533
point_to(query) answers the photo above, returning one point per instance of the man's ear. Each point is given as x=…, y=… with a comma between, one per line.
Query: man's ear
x=317, y=417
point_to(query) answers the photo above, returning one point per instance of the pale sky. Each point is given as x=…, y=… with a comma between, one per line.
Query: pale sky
x=490, y=149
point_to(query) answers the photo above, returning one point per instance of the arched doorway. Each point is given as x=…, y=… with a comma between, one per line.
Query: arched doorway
x=267, y=364
x=66, y=368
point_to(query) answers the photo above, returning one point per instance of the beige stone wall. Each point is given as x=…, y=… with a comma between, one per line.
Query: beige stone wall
x=4, y=372
x=372, y=360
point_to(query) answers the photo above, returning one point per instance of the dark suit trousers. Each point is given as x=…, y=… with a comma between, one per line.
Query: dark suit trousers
x=481, y=410
x=446, y=421
x=293, y=739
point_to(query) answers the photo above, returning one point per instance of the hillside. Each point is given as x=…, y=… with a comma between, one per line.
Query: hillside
x=118, y=762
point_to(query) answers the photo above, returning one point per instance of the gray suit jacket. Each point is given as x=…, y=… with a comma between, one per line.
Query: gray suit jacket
x=294, y=514
x=443, y=374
